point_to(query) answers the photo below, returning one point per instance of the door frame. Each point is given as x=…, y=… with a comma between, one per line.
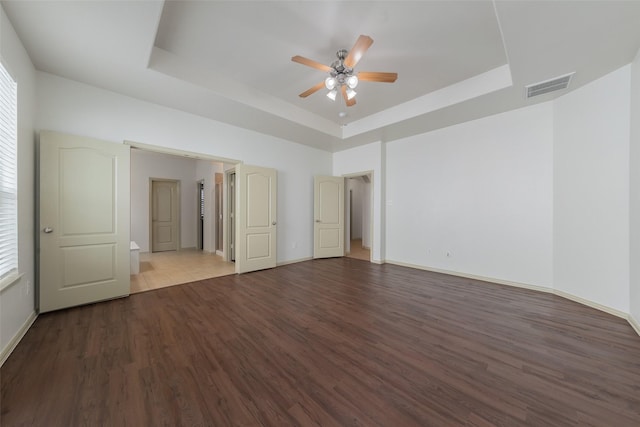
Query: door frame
x=218, y=200
x=226, y=217
x=200, y=215
x=347, y=211
x=179, y=208
x=191, y=155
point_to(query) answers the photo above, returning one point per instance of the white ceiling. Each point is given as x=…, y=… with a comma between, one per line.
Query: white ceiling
x=231, y=60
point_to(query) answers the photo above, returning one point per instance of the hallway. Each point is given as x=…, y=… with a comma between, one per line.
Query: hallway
x=358, y=251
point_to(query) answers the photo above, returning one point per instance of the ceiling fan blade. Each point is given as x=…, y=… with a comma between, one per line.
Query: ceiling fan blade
x=312, y=90
x=374, y=76
x=310, y=63
x=350, y=102
x=362, y=44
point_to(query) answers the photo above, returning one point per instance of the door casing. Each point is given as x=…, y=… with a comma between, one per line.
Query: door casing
x=372, y=236
x=200, y=214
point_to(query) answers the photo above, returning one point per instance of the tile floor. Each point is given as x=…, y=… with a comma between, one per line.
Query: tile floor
x=161, y=269
x=357, y=251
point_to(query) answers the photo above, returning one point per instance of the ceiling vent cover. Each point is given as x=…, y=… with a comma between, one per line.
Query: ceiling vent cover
x=547, y=86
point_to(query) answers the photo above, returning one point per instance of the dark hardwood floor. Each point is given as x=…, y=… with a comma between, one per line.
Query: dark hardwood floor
x=336, y=342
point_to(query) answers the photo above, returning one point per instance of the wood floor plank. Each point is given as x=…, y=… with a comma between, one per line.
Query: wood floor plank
x=335, y=342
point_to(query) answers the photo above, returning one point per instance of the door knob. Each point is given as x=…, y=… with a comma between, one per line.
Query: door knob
x=317, y=220
x=273, y=223
x=47, y=230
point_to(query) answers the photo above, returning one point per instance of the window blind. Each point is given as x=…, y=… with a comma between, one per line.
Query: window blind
x=8, y=175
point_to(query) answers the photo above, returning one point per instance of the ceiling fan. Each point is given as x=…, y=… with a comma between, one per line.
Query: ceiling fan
x=342, y=75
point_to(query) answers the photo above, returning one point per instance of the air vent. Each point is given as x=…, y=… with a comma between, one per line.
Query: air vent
x=547, y=86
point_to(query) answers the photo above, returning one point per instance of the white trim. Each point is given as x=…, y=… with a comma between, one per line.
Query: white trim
x=9, y=281
x=11, y=345
x=475, y=277
x=372, y=232
x=632, y=321
x=591, y=304
x=180, y=153
x=293, y=261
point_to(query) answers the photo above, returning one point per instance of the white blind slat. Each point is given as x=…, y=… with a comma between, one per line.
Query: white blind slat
x=8, y=174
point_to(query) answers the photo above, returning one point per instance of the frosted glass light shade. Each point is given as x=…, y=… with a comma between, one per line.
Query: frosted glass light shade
x=330, y=82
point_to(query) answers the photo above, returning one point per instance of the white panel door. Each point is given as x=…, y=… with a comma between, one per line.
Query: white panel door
x=84, y=221
x=164, y=216
x=328, y=230
x=256, y=190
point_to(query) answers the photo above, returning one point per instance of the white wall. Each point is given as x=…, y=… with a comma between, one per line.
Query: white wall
x=591, y=191
x=634, y=256
x=480, y=191
x=17, y=301
x=146, y=165
x=363, y=159
x=76, y=108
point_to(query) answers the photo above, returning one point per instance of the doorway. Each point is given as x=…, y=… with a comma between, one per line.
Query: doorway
x=218, y=213
x=358, y=235
x=187, y=263
x=165, y=215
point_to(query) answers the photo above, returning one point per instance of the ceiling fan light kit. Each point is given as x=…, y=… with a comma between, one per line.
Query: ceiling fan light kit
x=341, y=72
x=330, y=82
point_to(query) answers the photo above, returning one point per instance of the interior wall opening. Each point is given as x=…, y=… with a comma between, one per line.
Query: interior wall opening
x=359, y=214
x=200, y=252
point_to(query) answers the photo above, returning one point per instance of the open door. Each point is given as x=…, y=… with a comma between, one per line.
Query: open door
x=256, y=190
x=328, y=207
x=84, y=221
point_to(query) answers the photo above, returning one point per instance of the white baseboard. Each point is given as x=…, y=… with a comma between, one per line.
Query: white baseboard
x=220, y=253
x=475, y=277
x=11, y=345
x=633, y=322
x=591, y=304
